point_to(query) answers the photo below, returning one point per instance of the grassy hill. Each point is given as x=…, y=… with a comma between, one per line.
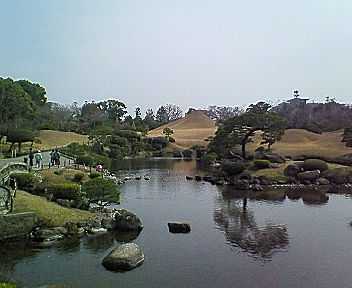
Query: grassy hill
x=298, y=142
x=190, y=130
x=51, y=139
x=196, y=126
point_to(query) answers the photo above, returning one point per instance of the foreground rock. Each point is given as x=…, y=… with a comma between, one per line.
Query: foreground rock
x=179, y=227
x=309, y=175
x=123, y=258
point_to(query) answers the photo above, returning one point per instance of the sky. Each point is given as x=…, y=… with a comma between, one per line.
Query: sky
x=192, y=53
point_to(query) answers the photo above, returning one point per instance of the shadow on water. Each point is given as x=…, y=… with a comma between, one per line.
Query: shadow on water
x=242, y=231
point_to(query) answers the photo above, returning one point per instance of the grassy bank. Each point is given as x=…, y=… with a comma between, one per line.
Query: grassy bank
x=48, y=210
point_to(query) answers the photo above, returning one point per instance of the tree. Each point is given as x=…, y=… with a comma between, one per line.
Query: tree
x=168, y=113
x=34, y=90
x=19, y=136
x=101, y=192
x=219, y=113
x=173, y=112
x=167, y=132
x=15, y=104
x=114, y=109
x=240, y=129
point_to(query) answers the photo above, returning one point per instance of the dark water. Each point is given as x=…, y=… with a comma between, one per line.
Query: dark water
x=283, y=243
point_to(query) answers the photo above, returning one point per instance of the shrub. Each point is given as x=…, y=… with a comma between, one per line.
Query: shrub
x=46, y=126
x=7, y=285
x=172, y=140
x=209, y=158
x=26, y=180
x=313, y=128
x=94, y=175
x=261, y=164
x=85, y=159
x=78, y=177
x=101, y=191
x=233, y=168
x=103, y=161
x=65, y=191
x=314, y=164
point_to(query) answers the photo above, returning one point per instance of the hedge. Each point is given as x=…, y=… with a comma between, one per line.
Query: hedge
x=25, y=180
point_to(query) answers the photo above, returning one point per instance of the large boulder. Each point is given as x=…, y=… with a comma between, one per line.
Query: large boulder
x=123, y=258
x=339, y=175
x=187, y=153
x=177, y=153
x=179, y=227
x=274, y=158
x=292, y=170
x=127, y=221
x=308, y=175
x=315, y=164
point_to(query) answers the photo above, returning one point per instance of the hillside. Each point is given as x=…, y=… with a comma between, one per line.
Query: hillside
x=302, y=142
x=196, y=127
x=51, y=139
x=189, y=130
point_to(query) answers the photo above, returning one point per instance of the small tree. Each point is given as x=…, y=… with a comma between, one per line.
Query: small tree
x=167, y=132
x=101, y=192
x=19, y=136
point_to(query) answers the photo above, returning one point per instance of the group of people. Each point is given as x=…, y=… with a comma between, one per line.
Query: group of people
x=38, y=157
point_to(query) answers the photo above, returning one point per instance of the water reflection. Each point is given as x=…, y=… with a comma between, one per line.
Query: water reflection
x=241, y=230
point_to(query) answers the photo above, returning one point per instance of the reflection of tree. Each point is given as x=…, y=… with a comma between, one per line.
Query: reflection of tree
x=242, y=231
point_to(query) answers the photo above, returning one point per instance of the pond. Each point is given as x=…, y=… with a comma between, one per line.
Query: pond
x=281, y=243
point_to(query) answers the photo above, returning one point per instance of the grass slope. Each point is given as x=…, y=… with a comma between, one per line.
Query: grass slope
x=51, y=139
x=297, y=142
x=190, y=130
x=44, y=209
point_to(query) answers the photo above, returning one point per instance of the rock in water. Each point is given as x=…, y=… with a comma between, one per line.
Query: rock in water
x=179, y=227
x=123, y=258
x=127, y=221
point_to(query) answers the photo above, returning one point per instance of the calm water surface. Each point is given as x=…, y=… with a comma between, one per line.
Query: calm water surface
x=270, y=244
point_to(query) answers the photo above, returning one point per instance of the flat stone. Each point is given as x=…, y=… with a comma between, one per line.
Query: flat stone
x=179, y=227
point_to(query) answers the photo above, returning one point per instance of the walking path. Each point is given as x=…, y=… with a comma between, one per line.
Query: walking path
x=45, y=161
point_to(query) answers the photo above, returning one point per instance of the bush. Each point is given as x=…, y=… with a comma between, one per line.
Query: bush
x=46, y=126
x=103, y=161
x=172, y=140
x=26, y=180
x=101, y=191
x=93, y=175
x=65, y=191
x=233, y=168
x=314, y=164
x=78, y=177
x=313, y=128
x=85, y=159
x=209, y=158
x=7, y=285
x=261, y=164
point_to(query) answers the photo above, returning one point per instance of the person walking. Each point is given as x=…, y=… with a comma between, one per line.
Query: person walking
x=52, y=160
x=30, y=156
x=57, y=157
x=38, y=159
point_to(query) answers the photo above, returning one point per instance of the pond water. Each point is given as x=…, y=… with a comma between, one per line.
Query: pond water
x=285, y=243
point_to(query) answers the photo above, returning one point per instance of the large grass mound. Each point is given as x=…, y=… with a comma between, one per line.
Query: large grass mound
x=190, y=130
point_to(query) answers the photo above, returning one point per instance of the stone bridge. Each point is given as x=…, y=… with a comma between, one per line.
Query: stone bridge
x=7, y=189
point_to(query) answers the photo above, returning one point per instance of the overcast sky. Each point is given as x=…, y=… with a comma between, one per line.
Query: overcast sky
x=190, y=53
